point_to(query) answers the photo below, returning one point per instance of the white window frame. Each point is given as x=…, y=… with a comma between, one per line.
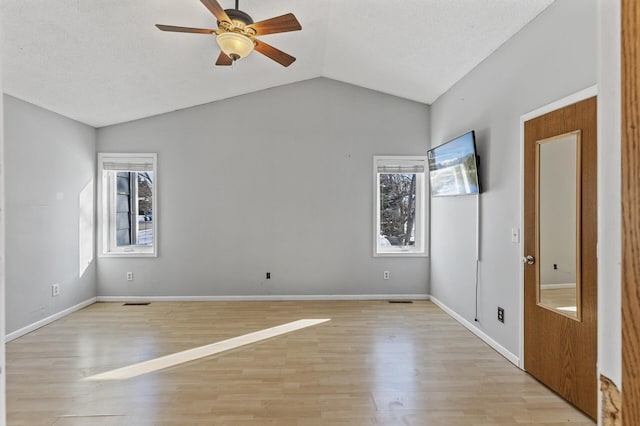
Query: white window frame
x=421, y=241
x=107, y=201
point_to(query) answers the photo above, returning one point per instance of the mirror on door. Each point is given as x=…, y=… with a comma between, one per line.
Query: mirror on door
x=558, y=243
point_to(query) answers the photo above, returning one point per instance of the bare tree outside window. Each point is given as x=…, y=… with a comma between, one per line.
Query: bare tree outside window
x=398, y=208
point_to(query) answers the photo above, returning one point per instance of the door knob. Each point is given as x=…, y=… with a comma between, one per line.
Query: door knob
x=529, y=260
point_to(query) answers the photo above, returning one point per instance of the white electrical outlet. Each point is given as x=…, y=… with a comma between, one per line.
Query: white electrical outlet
x=129, y=276
x=55, y=290
x=385, y=275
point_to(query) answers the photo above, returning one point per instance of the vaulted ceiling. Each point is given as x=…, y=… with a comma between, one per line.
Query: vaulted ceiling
x=103, y=62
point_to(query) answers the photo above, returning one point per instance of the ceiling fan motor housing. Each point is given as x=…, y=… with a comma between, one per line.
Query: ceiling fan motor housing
x=238, y=15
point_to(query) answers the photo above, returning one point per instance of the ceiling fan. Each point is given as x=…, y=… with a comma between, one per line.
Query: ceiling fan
x=236, y=33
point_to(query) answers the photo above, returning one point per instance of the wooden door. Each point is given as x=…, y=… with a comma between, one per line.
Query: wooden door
x=560, y=342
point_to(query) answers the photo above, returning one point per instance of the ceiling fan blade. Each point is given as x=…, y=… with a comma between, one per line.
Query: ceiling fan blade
x=224, y=60
x=217, y=10
x=279, y=24
x=271, y=52
x=185, y=29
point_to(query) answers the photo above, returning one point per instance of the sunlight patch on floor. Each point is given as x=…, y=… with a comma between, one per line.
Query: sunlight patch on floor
x=203, y=351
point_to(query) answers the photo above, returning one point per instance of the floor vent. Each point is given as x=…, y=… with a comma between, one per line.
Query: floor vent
x=136, y=304
x=400, y=301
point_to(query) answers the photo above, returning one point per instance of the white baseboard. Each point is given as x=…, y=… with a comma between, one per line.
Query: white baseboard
x=482, y=335
x=263, y=298
x=48, y=320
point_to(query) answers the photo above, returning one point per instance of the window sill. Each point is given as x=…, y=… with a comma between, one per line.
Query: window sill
x=129, y=254
x=401, y=254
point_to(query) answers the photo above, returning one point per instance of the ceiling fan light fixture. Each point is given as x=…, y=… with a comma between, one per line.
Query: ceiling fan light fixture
x=235, y=45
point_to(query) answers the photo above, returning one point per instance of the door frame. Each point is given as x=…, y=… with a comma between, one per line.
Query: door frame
x=630, y=136
x=581, y=95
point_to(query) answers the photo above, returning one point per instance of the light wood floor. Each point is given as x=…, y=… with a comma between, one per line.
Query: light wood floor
x=558, y=297
x=374, y=363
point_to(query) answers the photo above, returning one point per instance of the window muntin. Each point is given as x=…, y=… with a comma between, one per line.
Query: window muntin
x=128, y=204
x=399, y=206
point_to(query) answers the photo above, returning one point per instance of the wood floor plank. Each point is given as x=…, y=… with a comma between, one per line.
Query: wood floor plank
x=374, y=363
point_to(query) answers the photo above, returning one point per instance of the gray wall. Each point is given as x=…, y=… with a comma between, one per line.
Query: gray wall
x=49, y=160
x=552, y=57
x=278, y=181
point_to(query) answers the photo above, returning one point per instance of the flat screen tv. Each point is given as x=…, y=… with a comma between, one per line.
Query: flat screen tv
x=453, y=167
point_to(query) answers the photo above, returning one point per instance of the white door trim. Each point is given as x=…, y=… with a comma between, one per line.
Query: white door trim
x=3, y=374
x=561, y=103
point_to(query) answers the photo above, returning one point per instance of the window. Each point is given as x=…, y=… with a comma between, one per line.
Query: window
x=400, y=193
x=127, y=187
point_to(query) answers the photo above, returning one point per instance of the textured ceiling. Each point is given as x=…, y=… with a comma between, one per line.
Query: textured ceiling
x=103, y=62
